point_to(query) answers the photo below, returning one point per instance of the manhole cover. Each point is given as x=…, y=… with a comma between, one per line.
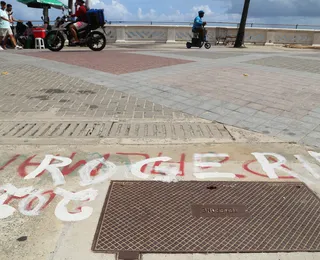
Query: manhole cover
x=203, y=217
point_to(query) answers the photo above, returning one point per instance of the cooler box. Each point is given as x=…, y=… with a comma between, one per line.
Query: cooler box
x=39, y=33
x=96, y=18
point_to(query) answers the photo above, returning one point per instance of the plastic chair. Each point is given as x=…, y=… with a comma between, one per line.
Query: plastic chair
x=39, y=43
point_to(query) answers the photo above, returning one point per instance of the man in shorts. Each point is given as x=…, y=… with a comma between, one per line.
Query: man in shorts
x=5, y=28
x=11, y=18
x=81, y=14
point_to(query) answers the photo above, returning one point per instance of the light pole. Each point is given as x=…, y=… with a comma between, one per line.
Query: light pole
x=242, y=27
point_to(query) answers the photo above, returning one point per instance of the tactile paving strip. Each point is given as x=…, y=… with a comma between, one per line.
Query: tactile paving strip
x=203, y=217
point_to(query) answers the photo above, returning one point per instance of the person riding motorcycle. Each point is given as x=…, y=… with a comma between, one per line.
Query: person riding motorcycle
x=198, y=26
x=81, y=22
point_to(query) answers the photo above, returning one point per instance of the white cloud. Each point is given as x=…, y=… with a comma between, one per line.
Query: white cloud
x=114, y=10
x=204, y=8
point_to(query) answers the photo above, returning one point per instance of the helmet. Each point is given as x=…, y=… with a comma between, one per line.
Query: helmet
x=201, y=12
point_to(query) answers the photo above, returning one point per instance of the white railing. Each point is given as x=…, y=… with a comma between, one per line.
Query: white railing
x=220, y=24
x=210, y=23
x=181, y=33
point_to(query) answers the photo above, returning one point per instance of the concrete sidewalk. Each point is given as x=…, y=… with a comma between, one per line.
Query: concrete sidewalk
x=50, y=238
x=130, y=103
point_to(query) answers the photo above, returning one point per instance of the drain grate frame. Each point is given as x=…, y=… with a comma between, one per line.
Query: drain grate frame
x=110, y=129
x=156, y=217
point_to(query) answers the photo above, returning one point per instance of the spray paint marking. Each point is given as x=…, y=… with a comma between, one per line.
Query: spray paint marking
x=247, y=168
x=32, y=202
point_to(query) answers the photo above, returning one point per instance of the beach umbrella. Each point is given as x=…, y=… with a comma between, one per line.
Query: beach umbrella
x=45, y=5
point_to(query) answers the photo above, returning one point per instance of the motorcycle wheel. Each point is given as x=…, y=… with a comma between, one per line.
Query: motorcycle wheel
x=188, y=45
x=55, y=41
x=207, y=45
x=94, y=38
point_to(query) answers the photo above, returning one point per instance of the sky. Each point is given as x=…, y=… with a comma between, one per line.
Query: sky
x=261, y=11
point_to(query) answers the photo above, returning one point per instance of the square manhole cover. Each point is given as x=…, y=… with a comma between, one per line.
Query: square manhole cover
x=204, y=217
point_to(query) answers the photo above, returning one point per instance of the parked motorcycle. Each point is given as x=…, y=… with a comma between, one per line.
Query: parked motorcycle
x=88, y=36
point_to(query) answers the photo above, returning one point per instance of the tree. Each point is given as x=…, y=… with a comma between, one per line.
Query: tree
x=242, y=27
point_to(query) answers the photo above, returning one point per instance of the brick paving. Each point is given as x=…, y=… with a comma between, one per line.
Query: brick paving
x=273, y=92
x=27, y=90
x=115, y=62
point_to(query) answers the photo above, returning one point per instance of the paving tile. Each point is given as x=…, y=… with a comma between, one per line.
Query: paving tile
x=282, y=119
x=247, y=125
x=310, y=141
x=230, y=106
x=228, y=120
x=220, y=111
x=257, y=120
x=194, y=111
x=142, y=94
x=265, y=115
x=239, y=102
x=314, y=134
x=179, y=99
x=209, y=116
x=267, y=129
x=152, y=91
x=273, y=111
x=298, y=110
x=311, y=119
x=316, y=110
x=179, y=106
x=203, y=98
x=255, y=106
x=207, y=105
x=292, y=135
x=303, y=125
x=165, y=95
x=291, y=115
x=314, y=114
x=192, y=102
x=277, y=125
x=247, y=111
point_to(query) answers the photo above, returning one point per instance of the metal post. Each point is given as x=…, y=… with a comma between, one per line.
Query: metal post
x=70, y=4
x=45, y=14
x=241, y=31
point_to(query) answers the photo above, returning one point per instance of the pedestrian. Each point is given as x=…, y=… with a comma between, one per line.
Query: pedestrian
x=5, y=28
x=11, y=18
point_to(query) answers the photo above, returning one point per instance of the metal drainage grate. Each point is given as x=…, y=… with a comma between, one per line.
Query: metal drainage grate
x=112, y=130
x=56, y=129
x=204, y=217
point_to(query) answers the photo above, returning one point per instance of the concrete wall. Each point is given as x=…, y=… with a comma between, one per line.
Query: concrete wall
x=177, y=33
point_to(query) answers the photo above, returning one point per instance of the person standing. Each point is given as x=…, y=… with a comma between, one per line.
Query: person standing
x=5, y=28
